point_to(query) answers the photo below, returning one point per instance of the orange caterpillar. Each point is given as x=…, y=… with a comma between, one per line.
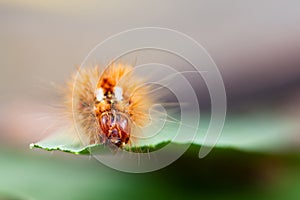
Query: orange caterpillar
x=107, y=105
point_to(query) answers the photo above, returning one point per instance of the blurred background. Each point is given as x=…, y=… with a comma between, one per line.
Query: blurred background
x=255, y=44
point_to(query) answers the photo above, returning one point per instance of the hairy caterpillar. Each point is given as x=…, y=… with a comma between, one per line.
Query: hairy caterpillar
x=107, y=105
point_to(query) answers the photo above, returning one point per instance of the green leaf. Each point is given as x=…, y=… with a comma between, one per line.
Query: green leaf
x=259, y=132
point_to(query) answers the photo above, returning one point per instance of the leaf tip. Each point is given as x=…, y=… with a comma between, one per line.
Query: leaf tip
x=32, y=145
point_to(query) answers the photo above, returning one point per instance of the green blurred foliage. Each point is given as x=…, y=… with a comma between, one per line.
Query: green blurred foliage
x=223, y=174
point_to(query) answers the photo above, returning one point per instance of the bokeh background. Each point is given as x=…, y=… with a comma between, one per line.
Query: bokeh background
x=255, y=44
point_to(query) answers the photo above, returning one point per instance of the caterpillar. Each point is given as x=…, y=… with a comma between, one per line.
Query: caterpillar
x=107, y=105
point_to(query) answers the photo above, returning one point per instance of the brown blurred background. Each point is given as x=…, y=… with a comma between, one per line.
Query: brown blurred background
x=255, y=44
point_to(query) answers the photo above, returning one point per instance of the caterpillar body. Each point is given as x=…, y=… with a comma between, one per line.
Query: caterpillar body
x=107, y=105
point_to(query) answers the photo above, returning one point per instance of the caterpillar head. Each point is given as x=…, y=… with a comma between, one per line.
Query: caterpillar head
x=115, y=125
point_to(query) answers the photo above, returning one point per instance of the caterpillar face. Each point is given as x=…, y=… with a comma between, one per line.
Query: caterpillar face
x=116, y=127
x=114, y=124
